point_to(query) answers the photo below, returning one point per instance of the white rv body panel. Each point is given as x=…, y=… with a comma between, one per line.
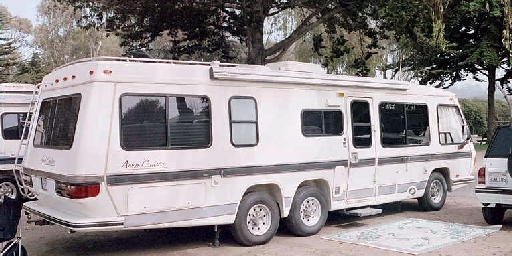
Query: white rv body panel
x=14, y=99
x=176, y=187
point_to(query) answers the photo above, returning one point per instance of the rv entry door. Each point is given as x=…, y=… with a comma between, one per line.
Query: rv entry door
x=361, y=180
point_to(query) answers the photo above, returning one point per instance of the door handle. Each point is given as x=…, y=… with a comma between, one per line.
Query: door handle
x=354, y=157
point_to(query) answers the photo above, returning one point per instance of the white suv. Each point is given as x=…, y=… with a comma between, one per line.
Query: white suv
x=494, y=184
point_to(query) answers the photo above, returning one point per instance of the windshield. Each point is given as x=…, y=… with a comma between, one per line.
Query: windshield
x=501, y=143
x=57, y=122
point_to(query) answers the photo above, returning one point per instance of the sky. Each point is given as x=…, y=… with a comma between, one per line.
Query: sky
x=22, y=8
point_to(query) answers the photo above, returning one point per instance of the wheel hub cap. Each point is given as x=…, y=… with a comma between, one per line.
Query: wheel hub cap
x=7, y=189
x=310, y=211
x=259, y=219
x=436, y=191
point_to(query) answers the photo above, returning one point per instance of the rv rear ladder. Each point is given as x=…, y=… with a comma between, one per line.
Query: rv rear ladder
x=18, y=170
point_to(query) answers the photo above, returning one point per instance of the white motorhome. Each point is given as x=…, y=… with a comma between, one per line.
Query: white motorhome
x=14, y=105
x=137, y=144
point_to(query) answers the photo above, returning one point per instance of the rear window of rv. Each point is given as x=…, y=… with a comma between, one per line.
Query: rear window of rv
x=160, y=122
x=56, y=123
x=12, y=125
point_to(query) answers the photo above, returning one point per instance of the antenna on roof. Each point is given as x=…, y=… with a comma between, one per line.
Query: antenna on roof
x=139, y=53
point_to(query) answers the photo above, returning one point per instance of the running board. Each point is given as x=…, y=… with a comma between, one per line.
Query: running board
x=363, y=212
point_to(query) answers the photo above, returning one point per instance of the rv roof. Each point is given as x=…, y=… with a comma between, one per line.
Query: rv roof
x=289, y=72
x=16, y=88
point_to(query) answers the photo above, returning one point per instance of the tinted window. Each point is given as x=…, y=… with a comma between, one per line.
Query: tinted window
x=143, y=122
x=244, y=121
x=56, y=123
x=361, y=125
x=404, y=124
x=501, y=144
x=165, y=122
x=12, y=126
x=322, y=122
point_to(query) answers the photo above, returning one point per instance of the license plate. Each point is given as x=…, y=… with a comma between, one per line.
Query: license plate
x=44, y=183
x=498, y=179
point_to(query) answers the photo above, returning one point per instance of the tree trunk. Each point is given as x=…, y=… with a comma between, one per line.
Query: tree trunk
x=255, y=47
x=491, y=111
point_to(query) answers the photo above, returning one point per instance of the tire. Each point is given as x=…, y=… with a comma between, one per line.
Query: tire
x=257, y=219
x=493, y=215
x=9, y=187
x=308, y=212
x=435, y=193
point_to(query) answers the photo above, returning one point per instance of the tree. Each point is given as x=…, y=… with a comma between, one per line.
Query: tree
x=61, y=40
x=31, y=71
x=8, y=58
x=475, y=113
x=212, y=26
x=470, y=47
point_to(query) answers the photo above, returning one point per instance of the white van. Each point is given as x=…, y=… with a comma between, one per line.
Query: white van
x=136, y=144
x=14, y=105
x=494, y=186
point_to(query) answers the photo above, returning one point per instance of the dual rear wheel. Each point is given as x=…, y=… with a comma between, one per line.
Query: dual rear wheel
x=258, y=216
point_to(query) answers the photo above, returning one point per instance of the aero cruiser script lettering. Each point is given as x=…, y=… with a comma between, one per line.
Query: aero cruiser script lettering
x=142, y=165
x=48, y=160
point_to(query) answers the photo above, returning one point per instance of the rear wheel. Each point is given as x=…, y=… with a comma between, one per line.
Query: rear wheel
x=308, y=212
x=9, y=188
x=257, y=219
x=493, y=215
x=435, y=193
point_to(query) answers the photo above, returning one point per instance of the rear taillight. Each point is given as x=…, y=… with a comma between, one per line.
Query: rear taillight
x=481, y=175
x=76, y=191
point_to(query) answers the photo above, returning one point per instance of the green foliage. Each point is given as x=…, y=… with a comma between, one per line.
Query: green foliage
x=30, y=72
x=475, y=112
x=8, y=58
x=214, y=27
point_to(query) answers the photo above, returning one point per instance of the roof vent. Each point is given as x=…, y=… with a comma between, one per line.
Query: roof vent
x=297, y=67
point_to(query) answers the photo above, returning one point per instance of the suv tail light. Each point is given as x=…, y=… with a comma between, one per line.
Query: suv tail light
x=76, y=191
x=481, y=175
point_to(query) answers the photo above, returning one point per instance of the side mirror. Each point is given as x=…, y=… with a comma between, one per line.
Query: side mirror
x=466, y=131
x=466, y=134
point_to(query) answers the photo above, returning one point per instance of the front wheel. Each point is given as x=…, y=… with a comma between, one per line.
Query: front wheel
x=257, y=219
x=435, y=193
x=493, y=215
x=308, y=212
x=9, y=188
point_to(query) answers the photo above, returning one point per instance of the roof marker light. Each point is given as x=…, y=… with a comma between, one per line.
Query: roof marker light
x=73, y=77
x=91, y=72
x=56, y=80
x=64, y=79
x=106, y=71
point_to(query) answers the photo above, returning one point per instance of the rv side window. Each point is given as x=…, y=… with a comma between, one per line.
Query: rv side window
x=56, y=123
x=243, y=118
x=165, y=122
x=404, y=124
x=450, y=124
x=322, y=122
x=12, y=126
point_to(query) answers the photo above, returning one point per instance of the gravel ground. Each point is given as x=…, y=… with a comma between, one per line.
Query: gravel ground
x=461, y=207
